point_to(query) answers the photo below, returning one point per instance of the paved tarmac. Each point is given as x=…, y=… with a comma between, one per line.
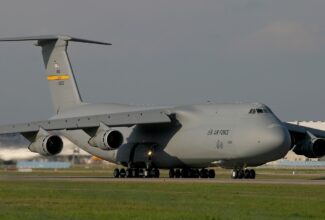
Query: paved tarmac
x=165, y=180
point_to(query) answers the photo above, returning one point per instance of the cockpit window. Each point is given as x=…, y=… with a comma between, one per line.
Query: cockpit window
x=252, y=111
x=258, y=111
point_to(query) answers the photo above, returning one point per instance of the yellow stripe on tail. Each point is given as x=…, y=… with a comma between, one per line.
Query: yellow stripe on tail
x=58, y=77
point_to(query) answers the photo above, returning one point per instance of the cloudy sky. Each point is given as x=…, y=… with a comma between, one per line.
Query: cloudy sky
x=170, y=52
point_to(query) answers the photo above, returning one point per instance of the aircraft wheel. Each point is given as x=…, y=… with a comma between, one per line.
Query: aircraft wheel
x=136, y=172
x=246, y=174
x=204, y=173
x=156, y=173
x=252, y=174
x=194, y=173
x=185, y=173
x=122, y=173
x=177, y=173
x=211, y=174
x=148, y=173
x=240, y=174
x=171, y=173
x=129, y=172
x=151, y=173
x=116, y=173
x=141, y=173
x=197, y=173
x=234, y=174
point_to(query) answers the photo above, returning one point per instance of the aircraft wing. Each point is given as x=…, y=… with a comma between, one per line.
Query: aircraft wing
x=124, y=119
x=298, y=130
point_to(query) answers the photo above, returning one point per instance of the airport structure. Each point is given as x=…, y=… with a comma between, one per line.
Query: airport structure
x=185, y=139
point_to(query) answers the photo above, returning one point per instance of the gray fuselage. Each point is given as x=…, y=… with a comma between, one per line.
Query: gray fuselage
x=227, y=135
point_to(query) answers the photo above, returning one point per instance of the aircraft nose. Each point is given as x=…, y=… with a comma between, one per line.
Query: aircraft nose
x=278, y=139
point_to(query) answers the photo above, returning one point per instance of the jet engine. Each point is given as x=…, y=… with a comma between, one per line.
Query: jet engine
x=312, y=148
x=107, y=139
x=48, y=145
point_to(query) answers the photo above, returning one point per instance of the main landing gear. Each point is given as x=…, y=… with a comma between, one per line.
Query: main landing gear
x=191, y=173
x=243, y=173
x=136, y=173
x=155, y=173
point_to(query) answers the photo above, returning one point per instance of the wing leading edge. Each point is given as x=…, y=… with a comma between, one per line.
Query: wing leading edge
x=124, y=119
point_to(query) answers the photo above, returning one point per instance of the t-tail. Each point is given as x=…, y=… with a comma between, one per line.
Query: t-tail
x=59, y=73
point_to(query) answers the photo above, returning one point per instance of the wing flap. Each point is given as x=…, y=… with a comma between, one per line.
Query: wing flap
x=124, y=119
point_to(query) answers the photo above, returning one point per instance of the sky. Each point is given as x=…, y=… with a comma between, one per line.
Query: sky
x=170, y=52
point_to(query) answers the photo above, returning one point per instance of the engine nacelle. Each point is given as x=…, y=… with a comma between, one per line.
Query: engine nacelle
x=107, y=139
x=48, y=145
x=312, y=148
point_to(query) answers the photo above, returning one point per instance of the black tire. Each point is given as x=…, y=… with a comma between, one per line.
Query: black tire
x=122, y=173
x=177, y=173
x=129, y=173
x=185, y=173
x=156, y=173
x=194, y=173
x=252, y=174
x=116, y=173
x=211, y=174
x=240, y=174
x=153, y=173
x=204, y=173
x=136, y=172
x=141, y=173
x=246, y=174
x=171, y=173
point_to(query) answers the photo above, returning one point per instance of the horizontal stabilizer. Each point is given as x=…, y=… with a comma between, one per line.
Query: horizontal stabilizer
x=45, y=38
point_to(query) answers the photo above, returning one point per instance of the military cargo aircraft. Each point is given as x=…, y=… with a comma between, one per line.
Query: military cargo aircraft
x=186, y=139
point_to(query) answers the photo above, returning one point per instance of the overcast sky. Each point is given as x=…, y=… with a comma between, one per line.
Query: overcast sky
x=170, y=52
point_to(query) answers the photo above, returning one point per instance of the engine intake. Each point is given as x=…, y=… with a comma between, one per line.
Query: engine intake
x=107, y=139
x=47, y=145
x=312, y=148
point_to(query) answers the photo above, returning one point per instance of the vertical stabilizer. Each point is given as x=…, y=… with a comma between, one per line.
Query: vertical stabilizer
x=59, y=73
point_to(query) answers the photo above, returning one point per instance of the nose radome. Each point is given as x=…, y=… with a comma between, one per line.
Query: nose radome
x=278, y=138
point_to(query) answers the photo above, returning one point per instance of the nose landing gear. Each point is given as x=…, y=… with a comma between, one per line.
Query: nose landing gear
x=243, y=173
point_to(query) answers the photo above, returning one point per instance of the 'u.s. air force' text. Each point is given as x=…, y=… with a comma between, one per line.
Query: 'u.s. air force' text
x=218, y=132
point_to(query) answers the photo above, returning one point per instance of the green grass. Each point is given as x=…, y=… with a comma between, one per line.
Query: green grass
x=37, y=199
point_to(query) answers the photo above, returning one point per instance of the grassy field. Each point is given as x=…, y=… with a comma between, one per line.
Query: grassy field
x=60, y=199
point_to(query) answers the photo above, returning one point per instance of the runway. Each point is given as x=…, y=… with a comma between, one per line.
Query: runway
x=164, y=180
